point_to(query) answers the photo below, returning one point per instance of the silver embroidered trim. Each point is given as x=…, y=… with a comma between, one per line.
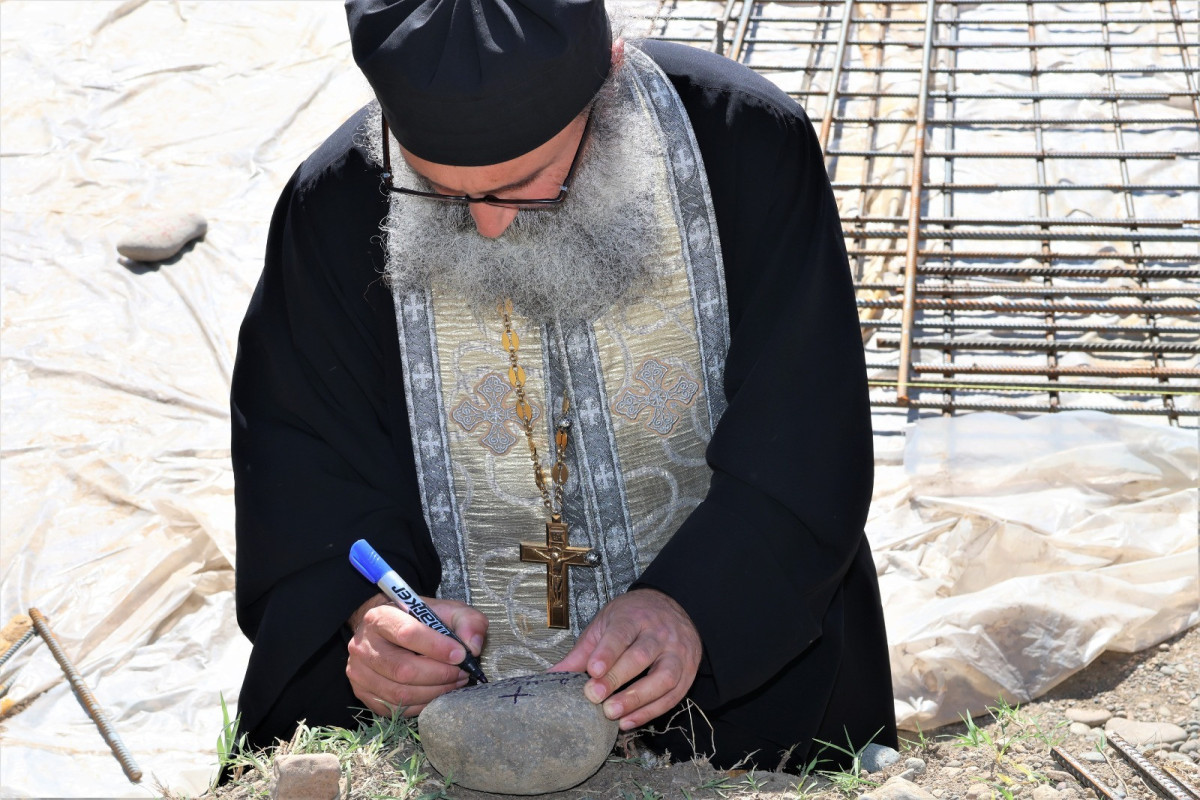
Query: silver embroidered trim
x=697, y=222
x=431, y=441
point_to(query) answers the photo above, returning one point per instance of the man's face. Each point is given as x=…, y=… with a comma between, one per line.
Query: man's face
x=536, y=174
x=594, y=251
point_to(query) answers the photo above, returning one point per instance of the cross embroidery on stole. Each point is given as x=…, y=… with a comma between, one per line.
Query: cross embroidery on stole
x=557, y=555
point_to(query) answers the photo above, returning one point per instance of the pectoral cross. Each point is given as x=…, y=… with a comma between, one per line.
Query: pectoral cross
x=557, y=555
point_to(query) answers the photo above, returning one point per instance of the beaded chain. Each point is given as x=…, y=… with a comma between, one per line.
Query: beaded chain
x=553, y=500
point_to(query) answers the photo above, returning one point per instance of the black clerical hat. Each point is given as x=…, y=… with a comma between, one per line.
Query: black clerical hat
x=475, y=82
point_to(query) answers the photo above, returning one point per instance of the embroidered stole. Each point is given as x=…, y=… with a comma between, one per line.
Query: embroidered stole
x=645, y=383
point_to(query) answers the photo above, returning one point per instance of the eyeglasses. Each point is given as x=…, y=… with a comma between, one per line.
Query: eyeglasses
x=489, y=199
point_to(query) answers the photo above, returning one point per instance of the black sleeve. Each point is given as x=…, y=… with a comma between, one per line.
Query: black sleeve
x=758, y=561
x=315, y=428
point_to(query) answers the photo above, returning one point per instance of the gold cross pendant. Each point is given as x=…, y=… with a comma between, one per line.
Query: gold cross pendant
x=557, y=555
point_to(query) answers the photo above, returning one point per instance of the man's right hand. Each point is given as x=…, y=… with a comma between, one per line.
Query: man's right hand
x=397, y=662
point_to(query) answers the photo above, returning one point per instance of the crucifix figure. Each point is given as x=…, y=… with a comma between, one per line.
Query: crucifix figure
x=557, y=555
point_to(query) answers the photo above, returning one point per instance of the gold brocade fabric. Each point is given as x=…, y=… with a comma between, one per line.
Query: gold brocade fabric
x=644, y=384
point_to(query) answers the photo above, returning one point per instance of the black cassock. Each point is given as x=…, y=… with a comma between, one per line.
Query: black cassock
x=772, y=566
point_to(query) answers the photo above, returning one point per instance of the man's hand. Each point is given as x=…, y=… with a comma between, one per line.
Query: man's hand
x=640, y=629
x=397, y=662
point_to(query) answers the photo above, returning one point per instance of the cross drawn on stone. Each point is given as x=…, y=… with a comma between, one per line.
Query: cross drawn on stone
x=494, y=412
x=557, y=555
x=517, y=694
x=631, y=404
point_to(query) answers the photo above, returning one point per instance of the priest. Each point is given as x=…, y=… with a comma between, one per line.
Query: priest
x=563, y=326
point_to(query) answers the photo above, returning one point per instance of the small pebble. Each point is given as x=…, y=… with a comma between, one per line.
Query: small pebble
x=954, y=763
x=1190, y=746
x=1164, y=646
x=916, y=765
x=306, y=777
x=1178, y=758
x=897, y=789
x=877, y=757
x=1094, y=757
x=1089, y=716
x=1079, y=729
x=1057, y=775
x=157, y=237
x=1044, y=792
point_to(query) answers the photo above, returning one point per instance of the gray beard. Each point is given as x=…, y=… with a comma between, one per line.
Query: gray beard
x=594, y=252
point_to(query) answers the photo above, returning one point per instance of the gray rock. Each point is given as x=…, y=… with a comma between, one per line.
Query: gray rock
x=1190, y=746
x=528, y=735
x=1094, y=757
x=916, y=765
x=306, y=777
x=158, y=237
x=1141, y=733
x=877, y=757
x=1089, y=716
x=897, y=789
x=1044, y=792
x=1079, y=729
x=1178, y=758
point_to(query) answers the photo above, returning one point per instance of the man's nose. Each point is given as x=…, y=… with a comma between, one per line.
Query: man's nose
x=491, y=221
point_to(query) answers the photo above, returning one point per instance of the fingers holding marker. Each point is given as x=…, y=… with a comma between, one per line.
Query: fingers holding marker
x=372, y=567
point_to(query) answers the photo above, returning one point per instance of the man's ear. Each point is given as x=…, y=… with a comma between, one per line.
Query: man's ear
x=618, y=52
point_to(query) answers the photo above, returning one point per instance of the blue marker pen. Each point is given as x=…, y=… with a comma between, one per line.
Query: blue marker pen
x=376, y=570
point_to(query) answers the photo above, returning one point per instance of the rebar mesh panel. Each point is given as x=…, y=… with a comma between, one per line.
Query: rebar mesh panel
x=1052, y=150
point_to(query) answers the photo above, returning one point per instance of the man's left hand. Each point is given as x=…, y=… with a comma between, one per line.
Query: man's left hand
x=640, y=629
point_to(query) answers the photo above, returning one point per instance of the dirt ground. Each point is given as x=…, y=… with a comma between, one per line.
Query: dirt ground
x=1003, y=754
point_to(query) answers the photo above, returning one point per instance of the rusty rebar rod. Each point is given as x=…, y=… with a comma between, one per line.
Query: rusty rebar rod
x=1020, y=187
x=1007, y=155
x=1082, y=774
x=1161, y=373
x=916, y=176
x=839, y=58
x=1160, y=781
x=1074, y=222
x=15, y=646
x=1064, y=327
x=1015, y=271
x=1008, y=235
x=1017, y=306
x=1025, y=290
x=1029, y=408
x=1019, y=121
x=86, y=699
x=1041, y=345
x=1138, y=389
x=1026, y=256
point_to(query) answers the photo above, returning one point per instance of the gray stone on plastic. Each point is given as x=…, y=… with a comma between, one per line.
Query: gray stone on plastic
x=157, y=237
x=528, y=735
x=876, y=757
x=307, y=777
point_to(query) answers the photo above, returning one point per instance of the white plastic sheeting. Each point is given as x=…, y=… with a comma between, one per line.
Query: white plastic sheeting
x=1013, y=552
x=117, y=495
